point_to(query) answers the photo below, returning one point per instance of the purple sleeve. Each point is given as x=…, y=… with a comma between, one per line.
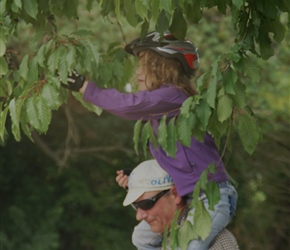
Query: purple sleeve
x=143, y=104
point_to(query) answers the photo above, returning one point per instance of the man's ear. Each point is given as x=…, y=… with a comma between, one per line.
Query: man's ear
x=177, y=198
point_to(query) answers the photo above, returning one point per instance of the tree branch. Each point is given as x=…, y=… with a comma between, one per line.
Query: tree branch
x=44, y=147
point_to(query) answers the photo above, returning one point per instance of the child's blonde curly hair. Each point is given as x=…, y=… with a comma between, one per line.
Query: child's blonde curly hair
x=163, y=70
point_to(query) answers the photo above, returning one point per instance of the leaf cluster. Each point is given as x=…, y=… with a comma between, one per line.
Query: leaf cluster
x=29, y=93
x=219, y=106
x=198, y=222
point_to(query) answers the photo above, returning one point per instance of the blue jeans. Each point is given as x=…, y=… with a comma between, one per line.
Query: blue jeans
x=144, y=239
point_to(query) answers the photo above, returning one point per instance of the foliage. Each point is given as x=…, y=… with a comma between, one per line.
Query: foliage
x=30, y=90
x=74, y=208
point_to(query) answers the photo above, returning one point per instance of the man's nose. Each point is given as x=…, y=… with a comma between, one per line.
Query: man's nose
x=140, y=214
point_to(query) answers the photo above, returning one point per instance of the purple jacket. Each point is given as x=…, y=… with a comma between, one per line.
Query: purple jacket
x=189, y=162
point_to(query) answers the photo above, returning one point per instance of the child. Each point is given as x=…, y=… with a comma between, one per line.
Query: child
x=166, y=66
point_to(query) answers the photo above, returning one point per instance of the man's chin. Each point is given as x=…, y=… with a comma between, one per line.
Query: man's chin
x=156, y=228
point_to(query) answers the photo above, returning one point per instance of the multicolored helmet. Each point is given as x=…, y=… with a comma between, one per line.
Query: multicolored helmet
x=168, y=46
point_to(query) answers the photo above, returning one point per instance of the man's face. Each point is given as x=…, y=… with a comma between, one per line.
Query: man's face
x=161, y=214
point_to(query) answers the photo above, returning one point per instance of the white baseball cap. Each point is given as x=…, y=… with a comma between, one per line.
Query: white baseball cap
x=147, y=176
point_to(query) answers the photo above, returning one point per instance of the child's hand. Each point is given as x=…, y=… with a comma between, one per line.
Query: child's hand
x=122, y=179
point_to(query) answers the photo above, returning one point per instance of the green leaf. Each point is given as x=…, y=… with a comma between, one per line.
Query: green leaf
x=131, y=17
x=171, y=138
x=2, y=47
x=141, y=9
x=203, y=179
x=238, y=3
x=93, y=51
x=194, y=12
x=41, y=55
x=183, y=130
x=192, y=120
x=144, y=28
x=162, y=23
x=6, y=88
x=145, y=136
x=222, y=6
x=278, y=29
x=212, y=193
x=165, y=237
x=117, y=11
x=152, y=136
x=38, y=113
x=166, y=5
x=217, y=129
x=178, y=26
x=13, y=112
x=202, y=220
x=91, y=107
x=249, y=132
x=51, y=96
x=26, y=128
x=249, y=68
x=211, y=168
x=211, y=92
x=186, y=105
x=48, y=46
x=32, y=75
x=106, y=73
x=70, y=8
x=62, y=65
x=137, y=128
x=71, y=58
x=162, y=133
x=155, y=6
x=23, y=68
x=3, y=116
x=18, y=3
x=14, y=8
x=44, y=113
x=15, y=107
x=266, y=50
x=202, y=82
x=54, y=80
x=32, y=113
x=234, y=56
x=225, y=108
x=174, y=230
x=203, y=112
x=186, y=234
x=16, y=131
x=118, y=69
x=31, y=7
x=240, y=99
x=2, y=7
x=196, y=193
x=3, y=66
x=53, y=59
x=230, y=78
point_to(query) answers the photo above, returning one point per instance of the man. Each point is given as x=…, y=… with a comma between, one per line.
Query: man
x=151, y=192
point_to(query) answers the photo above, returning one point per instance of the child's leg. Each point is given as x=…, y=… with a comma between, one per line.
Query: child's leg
x=144, y=239
x=221, y=216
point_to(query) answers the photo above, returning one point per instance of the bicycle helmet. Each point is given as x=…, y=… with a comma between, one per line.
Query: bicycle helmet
x=168, y=46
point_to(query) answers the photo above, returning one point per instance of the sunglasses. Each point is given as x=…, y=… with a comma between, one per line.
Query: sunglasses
x=148, y=203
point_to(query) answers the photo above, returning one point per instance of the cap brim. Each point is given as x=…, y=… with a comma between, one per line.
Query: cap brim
x=132, y=196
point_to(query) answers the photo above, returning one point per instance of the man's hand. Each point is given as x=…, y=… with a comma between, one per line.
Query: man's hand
x=75, y=81
x=122, y=178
